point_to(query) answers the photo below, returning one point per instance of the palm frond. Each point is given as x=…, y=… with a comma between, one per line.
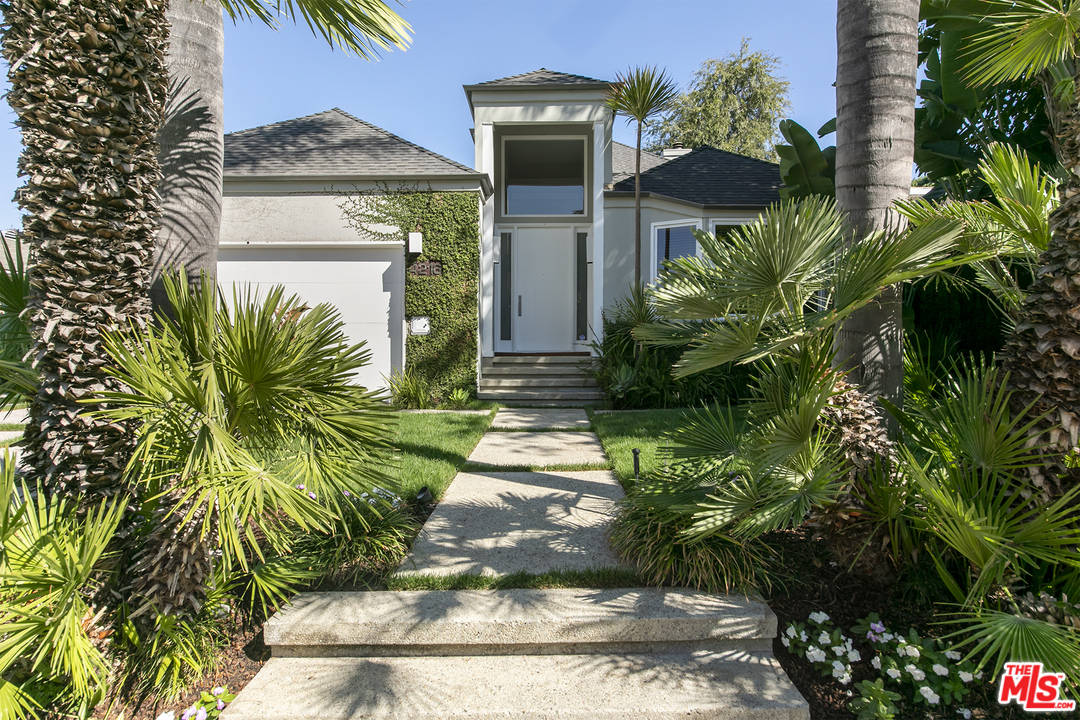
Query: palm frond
x=1025, y=37
x=640, y=93
x=361, y=26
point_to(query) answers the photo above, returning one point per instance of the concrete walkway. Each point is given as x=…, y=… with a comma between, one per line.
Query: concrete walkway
x=554, y=654
x=500, y=523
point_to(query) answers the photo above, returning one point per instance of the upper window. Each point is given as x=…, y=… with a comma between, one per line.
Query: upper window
x=544, y=176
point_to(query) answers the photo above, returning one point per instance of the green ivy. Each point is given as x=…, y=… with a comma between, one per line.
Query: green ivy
x=450, y=222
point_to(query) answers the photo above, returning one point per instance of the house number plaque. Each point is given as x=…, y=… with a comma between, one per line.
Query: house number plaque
x=426, y=268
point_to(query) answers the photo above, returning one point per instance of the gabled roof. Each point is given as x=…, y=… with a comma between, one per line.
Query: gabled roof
x=331, y=144
x=543, y=76
x=708, y=176
x=623, y=160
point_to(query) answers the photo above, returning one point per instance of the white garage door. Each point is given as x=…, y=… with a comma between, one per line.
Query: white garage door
x=364, y=281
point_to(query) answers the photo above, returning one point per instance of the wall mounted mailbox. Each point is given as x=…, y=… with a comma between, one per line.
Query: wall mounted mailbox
x=416, y=242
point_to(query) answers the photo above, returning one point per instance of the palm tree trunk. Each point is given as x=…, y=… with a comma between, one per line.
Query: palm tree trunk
x=637, y=209
x=877, y=58
x=88, y=85
x=192, y=143
x=1042, y=356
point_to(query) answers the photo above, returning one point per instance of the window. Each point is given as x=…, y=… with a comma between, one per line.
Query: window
x=544, y=176
x=722, y=227
x=673, y=240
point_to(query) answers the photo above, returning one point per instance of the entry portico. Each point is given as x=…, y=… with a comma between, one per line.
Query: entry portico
x=545, y=140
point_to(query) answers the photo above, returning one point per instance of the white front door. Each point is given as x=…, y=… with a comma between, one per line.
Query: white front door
x=542, y=300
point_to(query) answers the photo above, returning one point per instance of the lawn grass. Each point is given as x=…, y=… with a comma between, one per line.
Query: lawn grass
x=621, y=432
x=593, y=578
x=434, y=447
x=11, y=427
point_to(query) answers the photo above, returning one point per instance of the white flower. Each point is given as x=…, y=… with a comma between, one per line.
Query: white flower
x=953, y=655
x=786, y=641
x=887, y=637
x=845, y=678
x=931, y=697
x=853, y=656
x=915, y=672
x=791, y=631
x=876, y=662
x=940, y=670
x=838, y=649
x=978, y=675
x=966, y=676
x=837, y=667
x=965, y=713
x=912, y=651
x=823, y=638
x=815, y=655
x=893, y=673
x=167, y=716
x=818, y=617
x=803, y=636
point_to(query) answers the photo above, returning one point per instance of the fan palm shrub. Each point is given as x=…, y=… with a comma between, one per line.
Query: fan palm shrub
x=17, y=381
x=50, y=625
x=250, y=427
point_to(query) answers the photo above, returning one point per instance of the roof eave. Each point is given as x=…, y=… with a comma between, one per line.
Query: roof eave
x=481, y=178
x=527, y=86
x=682, y=201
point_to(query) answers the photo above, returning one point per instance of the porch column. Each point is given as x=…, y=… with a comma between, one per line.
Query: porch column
x=600, y=140
x=485, y=160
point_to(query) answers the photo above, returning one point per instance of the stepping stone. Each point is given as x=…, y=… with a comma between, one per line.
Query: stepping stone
x=501, y=523
x=539, y=419
x=514, y=622
x=10, y=435
x=538, y=449
x=17, y=417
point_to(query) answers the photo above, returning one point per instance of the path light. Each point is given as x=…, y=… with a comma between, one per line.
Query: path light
x=637, y=462
x=424, y=496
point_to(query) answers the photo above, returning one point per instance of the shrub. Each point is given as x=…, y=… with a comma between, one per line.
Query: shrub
x=458, y=399
x=409, y=390
x=633, y=375
x=17, y=380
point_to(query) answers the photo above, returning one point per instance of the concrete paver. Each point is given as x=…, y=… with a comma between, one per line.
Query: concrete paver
x=501, y=523
x=10, y=435
x=15, y=417
x=539, y=418
x=538, y=449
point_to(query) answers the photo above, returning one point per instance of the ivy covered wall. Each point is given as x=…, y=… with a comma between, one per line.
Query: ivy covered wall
x=450, y=223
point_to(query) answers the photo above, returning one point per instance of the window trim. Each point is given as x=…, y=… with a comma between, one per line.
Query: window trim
x=730, y=222
x=504, y=200
x=654, y=260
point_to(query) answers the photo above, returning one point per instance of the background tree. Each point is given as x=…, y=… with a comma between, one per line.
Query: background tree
x=876, y=62
x=640, y=94
x=733, y=104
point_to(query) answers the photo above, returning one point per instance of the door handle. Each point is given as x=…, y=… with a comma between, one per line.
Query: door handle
x=519, y=306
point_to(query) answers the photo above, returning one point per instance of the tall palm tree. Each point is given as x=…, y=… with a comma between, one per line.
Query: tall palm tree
x=192, y=131
x=90, y=102
x=88, y=83
x=640, y=94
x=1037, y=40
x=875, y=142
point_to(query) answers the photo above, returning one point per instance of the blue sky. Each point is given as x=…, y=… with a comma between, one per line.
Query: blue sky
x=272, y=76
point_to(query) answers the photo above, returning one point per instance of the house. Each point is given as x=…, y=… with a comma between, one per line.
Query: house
x=555, y=200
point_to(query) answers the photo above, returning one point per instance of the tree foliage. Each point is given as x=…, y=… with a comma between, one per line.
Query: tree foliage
x=734, y=104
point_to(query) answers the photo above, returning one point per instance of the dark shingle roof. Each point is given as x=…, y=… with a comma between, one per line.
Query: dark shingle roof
x=331, y=143
x=708, y=176
x=623, y=160
x=543, y=76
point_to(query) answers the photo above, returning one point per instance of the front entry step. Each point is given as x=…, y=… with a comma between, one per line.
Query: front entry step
x=538, y=380
x=570, y=654
x=734, y=685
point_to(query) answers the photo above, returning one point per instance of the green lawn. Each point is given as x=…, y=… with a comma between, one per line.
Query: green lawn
x=434, y=447
x=621, y=432
x=9, y=427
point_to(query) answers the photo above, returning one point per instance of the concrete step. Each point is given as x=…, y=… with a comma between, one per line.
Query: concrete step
x=516, y=622
x=518, y=369
x=528, y=396
x=536, y=360
x=734, y=685
x=562, y=381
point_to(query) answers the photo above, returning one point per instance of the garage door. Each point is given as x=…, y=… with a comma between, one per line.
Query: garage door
x=364, y=281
